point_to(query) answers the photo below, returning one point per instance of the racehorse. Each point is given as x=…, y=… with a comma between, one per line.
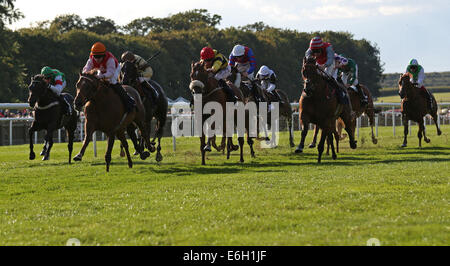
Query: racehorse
x=104, y=111
x=285, y=109
x=203, y=82
x=318, y=104
x=359, y=109
x=129, y=76
x=48, y=116
x=414, y=107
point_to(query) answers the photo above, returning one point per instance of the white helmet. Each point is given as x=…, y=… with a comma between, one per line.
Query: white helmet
x=264, y=71
x=413, y=62
x=238, y=50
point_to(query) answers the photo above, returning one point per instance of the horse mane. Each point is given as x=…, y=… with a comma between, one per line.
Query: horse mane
x=38, y=77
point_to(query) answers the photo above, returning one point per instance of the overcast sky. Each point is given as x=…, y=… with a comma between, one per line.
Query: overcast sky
x=402, y=29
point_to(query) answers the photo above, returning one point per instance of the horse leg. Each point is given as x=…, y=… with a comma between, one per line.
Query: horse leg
x=241, y=146
x=44, y=148
x=87, y=138
x=109, y=150
x=70, y=136
x=321, y=145
x=405, y=131
x=313, y=143
x=202, y=148
x=159, y=157
x=291, y=137
x=350, y=128
x=328, y=146
x=208, y=144
x=31, y=130
x=330, y=141
x=337, y=138
x=250, y=143
x=424, y=130
x=435, y=119
x=122, y=153
x=302, y=141
x=229, y=146
x=131, y=131
x=124, y=144
x=49, y=137
x=419, y=134
x=370, y=113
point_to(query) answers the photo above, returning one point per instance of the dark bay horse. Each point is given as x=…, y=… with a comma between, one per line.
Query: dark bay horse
x=104, y=111
x=414, y=107
x=369, y=110
x=129, y=76
x=318, y=104
x=48, y=116
x=203, y=82
x=249, y=95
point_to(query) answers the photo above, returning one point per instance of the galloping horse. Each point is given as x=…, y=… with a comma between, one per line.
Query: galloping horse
x=414, y=107
x=202, y=82
x=159, y=111
x=318, y=104
x=369, y=110
x=285, y=106
x=104, y=111
x=48, y=116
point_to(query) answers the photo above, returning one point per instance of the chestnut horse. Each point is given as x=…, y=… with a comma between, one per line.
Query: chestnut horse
x=203, y=82
x=104, y=111
x=318, y=104
x=369, y=110
x=414, y=107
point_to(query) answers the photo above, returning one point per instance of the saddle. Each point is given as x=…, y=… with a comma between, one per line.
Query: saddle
x=339, y=90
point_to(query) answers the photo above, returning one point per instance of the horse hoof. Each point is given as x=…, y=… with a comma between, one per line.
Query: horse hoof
x=334, y=156
x=403, y=145
x=207, y=148
x=152, y=148
x=145, y=155
x=253, y=155
x=77, y=158
x=45, y=158
x=32, y=156
x=353, y=145
x=312, y=145
x=241, y=161
x=298, y=150
x=439, y=132
x=136, y=153
x=292, y=145
x=267, y=139
x=375, y=141
x=427, y=140
x=42, y=153
x=130, y=165
x=159, y=157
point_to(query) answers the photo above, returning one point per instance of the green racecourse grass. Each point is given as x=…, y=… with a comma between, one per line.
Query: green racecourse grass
x=399, y=196
x=440, y=97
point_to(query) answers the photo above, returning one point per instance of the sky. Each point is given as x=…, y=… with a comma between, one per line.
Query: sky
x=402, y=29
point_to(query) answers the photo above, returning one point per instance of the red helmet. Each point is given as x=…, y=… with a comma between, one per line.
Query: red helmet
x=206, y=53
x=316, y=43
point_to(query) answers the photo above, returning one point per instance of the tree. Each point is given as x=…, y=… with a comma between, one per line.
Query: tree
x=101, y=25
x=8, y=14
x=65, y=23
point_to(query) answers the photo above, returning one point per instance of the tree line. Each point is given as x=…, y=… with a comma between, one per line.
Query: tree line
x=64, y=43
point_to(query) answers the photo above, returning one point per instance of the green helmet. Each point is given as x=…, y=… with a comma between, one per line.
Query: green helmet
x=413, y=62
x=46, y=71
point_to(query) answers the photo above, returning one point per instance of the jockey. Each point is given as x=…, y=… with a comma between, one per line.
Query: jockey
x=417, y=74
x=217, y=63
x=145, y=72
x=242, y=57
x=324, y=54
x=56, y=81
x=108, y=69
x=267, y=78
x=347, y=70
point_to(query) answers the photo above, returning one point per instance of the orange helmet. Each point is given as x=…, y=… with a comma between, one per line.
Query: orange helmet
x=98, y=49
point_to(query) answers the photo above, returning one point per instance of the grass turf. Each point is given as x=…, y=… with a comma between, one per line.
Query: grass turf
x=399, y=196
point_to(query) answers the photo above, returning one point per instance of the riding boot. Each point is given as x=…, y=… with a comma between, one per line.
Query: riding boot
x=126, y=99
x=229, y=91
x=65, y=106
x=429, y=99
x=364, y=100
x=149, y=92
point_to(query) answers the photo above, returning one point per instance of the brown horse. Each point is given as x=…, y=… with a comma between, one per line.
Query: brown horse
x=318, y=104
x=104, y=111
x=203, y=82
x=414, y=107
x=369, y=110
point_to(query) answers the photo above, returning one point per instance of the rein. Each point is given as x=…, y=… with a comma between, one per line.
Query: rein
x=97, y=90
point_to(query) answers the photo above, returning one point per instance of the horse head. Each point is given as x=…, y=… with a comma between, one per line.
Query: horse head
x=309, y=74
x=404, y=85
x=87, y=86
x=129, y=74
x=199, y=77
x=37, y=89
